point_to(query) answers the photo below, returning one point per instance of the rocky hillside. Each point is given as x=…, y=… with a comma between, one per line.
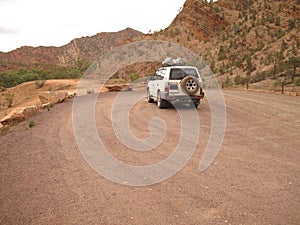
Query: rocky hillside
x=79, y=49
x=241, y=40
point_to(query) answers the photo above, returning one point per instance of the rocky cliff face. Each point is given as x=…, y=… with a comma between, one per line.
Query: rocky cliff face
x=199, y=19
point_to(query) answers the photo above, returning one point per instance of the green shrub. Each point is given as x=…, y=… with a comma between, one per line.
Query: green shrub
x=12, y=78
x=212, y=66
x=222, y=53
x=297, y=81
x=216, y=9
x=39, y=83
x=116, y=81
x=9, y=98
x=259, y=77
x=292, y=24
x=250, y=67
x=228, y=82
x=133, y=77
x=31, y=123
x=90, y=91
x=277, y=21
x=240, y=80
x=278, y=82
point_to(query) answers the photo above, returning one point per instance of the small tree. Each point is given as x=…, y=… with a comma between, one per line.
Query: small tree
x=9, y=97
x=250, y=66
x=31, y=123
x=222, y=53
x=292, y=24
x=277, y=58
x=277, y=21
x=228, y=82
x=283, y=46
x=295, y=64
x=241, y=80
x=212, y=66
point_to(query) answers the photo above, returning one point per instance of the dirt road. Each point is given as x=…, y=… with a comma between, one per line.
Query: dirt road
x=253, y=180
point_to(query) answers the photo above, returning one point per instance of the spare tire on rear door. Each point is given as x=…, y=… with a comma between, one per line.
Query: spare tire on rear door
x=190, y=85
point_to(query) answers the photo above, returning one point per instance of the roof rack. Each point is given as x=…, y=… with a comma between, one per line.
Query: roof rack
x=174, y=62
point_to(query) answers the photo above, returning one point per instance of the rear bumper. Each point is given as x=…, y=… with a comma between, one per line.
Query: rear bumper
x=181, y=98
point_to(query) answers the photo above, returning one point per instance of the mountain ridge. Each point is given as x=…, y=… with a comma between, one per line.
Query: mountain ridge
x=87, y=48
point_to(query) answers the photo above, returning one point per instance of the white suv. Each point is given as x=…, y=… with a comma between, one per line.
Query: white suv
x=175, y=83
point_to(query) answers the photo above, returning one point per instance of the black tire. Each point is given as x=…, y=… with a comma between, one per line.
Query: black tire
x=190, y=85
x=161, y=103
x=195, y=103
x=149, y=99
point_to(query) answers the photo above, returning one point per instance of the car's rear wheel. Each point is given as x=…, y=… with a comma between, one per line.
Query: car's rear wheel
x=195, y=103
x=190, y=85
x=161, y=103
x=149, y=99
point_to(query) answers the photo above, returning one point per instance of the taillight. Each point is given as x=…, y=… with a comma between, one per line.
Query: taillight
x=166, y=87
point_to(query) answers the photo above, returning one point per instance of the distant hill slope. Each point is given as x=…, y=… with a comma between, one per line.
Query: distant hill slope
x=85, y=48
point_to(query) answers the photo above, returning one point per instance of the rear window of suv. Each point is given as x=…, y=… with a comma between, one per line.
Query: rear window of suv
x=179, y=74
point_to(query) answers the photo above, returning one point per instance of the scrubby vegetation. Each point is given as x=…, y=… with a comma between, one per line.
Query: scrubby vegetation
x=9, y=98
x=285, y=69
x=240, y=80
x=133, y=76
x=39, y=83
x=31, y=123
x=12, y=78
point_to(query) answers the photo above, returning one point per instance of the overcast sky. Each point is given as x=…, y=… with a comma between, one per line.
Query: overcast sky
x=57, y=22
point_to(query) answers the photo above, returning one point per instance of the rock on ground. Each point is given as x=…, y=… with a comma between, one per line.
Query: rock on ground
x=19, y=114
x=52, y=97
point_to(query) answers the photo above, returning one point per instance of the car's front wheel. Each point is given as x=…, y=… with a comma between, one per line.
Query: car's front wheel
x=149, y=99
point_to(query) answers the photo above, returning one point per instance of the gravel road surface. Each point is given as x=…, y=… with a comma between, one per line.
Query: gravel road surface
x=253, y=180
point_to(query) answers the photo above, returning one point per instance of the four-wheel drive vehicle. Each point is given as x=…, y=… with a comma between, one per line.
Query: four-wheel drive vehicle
x=173, y=84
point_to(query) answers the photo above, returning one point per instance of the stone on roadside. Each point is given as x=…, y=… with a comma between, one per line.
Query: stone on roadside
x=52, y=97
x=3, y=129
x=18, y=115
x=116, y=87
x=47, y=105
x=2, y=89
x=70, y=95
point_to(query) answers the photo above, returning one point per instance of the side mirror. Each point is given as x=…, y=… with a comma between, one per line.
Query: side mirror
x=151, y=78
x=159, y=77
